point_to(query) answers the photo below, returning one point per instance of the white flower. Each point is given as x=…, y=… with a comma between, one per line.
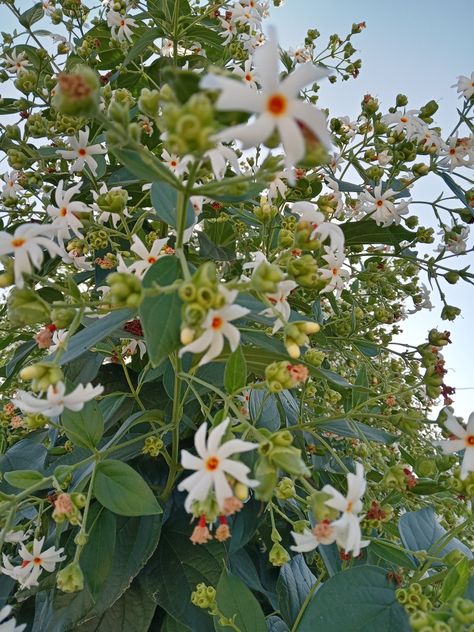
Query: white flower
x=277, y=186
x=384, y=158
x=277, y=106
x=26, y=244
x=247, y=73
x=455, y=239
x=34, y=563
x=465, y=86
x=81, y=152
x=321, y=229
x=406, y=122
x=133, y=346
x=219, y=156
x=424, y=302
x=301, y=55
x=147, y=257
x=120, y=24
x=15, y=64
x=10, y=624
x=167, y=47
x=56, y=399
x=228, y=32
x=381, y=208
x=280, y=307
x=336, y=195
x=251, y=41
x=104, y=216
x=456, y=153
x=217, y=326
x=15, y=537
x=348, y=128
x=348, y=533
x=431, y=140
x=212, y=465
x=463, y=440
x=48, y=7
x=64, y=214
x=336, y=275
x=11, y=186
x=174, y=163
x=58, y=340
x=247, y=16
x=76, y=258
x=322, y=533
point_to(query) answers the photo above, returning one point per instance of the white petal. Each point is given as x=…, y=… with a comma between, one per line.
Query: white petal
x=250, y=134
x=291, y=139
x=200, y=441
x=314, y=120
x=222, y=488
x=190, y=462
x=215, y=437
x=301, y=77
x=235, y=446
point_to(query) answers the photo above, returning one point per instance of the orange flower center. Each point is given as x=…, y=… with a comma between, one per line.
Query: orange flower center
x=217, y=322
x=173, y=163
x=248, y=77
x=379, y=203
x=17, y=243
x=349, y=506
x=334, y=271
x=122, y=22
x=277, y=104
x=37, y=560
x=151, y=259
x=404, y=119
x=82, y=152
x=470, y=440
x=63, y=212
x=212, y=464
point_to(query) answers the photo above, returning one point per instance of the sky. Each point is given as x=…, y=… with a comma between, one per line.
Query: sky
x=417, y=48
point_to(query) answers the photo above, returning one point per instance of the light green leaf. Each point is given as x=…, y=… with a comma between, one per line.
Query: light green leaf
x=456, y=581
x=236, y=602
x=235, y=373
x=119, y=488
x=165, y=202
x=24, y=478
x=145, y=165
x=85, y=427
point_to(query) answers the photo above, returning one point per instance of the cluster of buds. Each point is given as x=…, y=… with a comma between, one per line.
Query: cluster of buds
x=265, y=212
x=42, y=375
x=199, y=296
x=433, y=362
x=68, y=507
x=8, y=417
x=413, y=599
x=282, y=375
x=205, y=597
x=190, y=126
x=304, y=270
x=399, y=477
x=378, y=514
x=153, y=446
x=70, y=579
x=296, y=336
x=113, y=201
x=125, y=290
x=208, y=512
x=266, y=277
x=277, y=454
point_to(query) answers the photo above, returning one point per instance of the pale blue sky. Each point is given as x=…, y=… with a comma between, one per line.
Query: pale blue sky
x=417, y=48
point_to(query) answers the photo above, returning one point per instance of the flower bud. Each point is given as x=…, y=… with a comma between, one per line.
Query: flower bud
x=319, y=508
x=149, y=102
x=62, y=317
x=450, y=312
x=70, y=579
x=33, y=421
x=42, y=375
x=77, y=92
x=285, y=489
x=266, y=278
x=25, y=307
x=278, y=555
x=266, y=473
x=241, y=491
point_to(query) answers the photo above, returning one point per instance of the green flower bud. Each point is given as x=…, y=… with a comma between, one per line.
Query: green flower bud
x=33, y=421
x=450, y=312
x=321, y=511
x=463, y=610
x=25, y=307
x=114, y=201
x=452, y=277
x=27, y=81
x=62, y=317
x=289, y=460
x=266, y=473
x=125, y=289
x=149, y=102
x=70, y=579
x=266, y=278
x=42, y=375
x=425, y=467
x=278, y=555
x=285, y=489
x=77, y=93
x=204, y=596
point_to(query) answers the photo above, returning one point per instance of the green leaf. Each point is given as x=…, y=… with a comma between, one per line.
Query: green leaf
x=350, y=428
x=454, y=186
x=235, y=373
x=358, y=599
x=275, y=624
x=361, y=394
x=145, y=165
x=26, y=451
x=97, y=557
x=367, y=232
x=391, y=553
x=93, y=333
x=456, y=581
x=161, y=315
x=177, y=567
x=118, y=487
x=420, y=531
x=293, y=585
x=25, y=478
x=165, y=202
x=235, y=601
x=85, y=427
x=209, y=250
x=31, y=15
x=142, y=44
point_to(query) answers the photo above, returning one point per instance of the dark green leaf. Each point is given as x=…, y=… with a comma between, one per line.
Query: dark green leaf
x=350, y=428
x=454, y=186
x=236, y=602
x=456, y=581
x=145, y=165
x=165, y=202
x=161, y=315
x=85, y=427
x=367, y=232
x=31, y=15
x=360, y=599
x=361, y=394
x=26, y=451
x=275, y=624
x=118, y=487
x=97, y=558
x=391, y=553
x=293, y=585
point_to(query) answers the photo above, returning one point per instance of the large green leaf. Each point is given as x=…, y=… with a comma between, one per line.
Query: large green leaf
x=85, y=427
x=293, y=585
x=31, y=15
x=135, y=541
x=165, y=202
x=98, y=555
x=236, y=602
x=145, y=165
x=367, y=232
x=25, y=478
x=161, y=315
x=121, y=489
x=420, y=531
x=24, y=452
x=350, y=428
x=177, y=567
x=235, y=374
x=360, y=599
